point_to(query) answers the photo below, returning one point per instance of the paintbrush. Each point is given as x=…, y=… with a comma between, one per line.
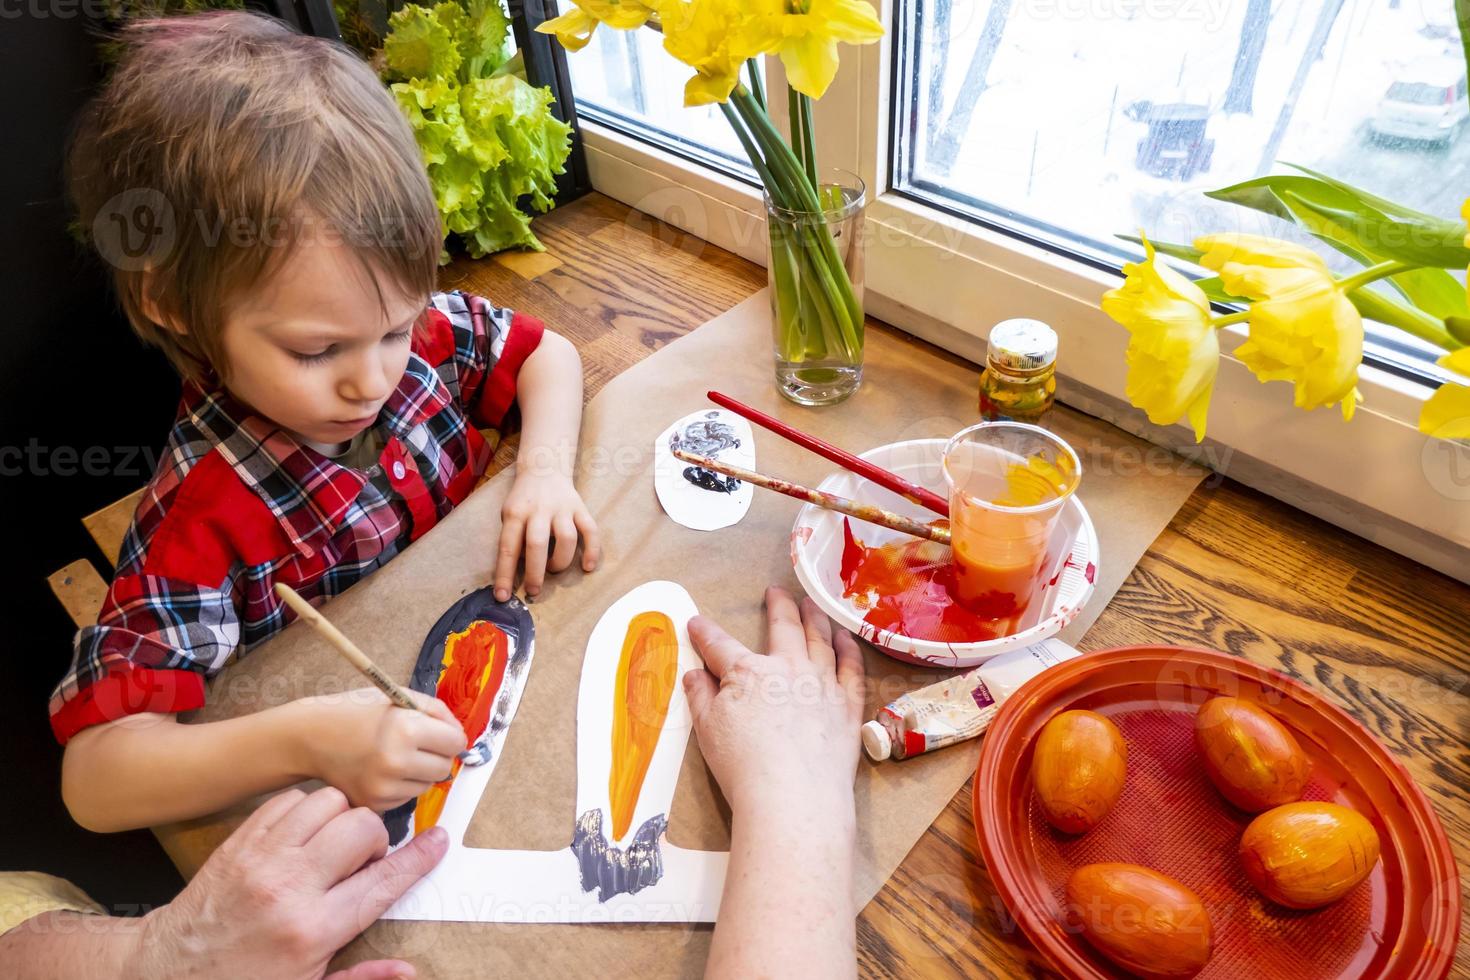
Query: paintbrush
x=346, y=647
x=927, y=499
x=350, y=651
x=871, y=513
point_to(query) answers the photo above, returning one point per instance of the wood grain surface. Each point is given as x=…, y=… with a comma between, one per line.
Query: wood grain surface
x=1382, y=636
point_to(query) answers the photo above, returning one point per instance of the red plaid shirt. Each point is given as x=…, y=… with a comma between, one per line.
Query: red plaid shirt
x=237, y=505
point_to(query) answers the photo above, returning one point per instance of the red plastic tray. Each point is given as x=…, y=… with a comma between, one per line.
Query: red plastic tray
x=1402, y=922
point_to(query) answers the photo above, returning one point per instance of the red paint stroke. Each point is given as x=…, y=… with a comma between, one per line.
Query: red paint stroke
x=474, y=667
x=909, y=587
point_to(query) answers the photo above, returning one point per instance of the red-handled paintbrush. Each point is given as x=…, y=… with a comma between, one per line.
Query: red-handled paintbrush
x=892, y=481
x=871, y=513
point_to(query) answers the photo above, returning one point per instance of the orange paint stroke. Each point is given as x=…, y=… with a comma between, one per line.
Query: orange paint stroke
x=474, y=666
x=645, y=683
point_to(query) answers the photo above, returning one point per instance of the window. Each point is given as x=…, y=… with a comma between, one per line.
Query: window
x=626, y=80
x=1072, y=121
x=1006, y=143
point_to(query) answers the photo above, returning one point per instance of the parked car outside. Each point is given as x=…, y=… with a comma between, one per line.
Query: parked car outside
x=1428, y=105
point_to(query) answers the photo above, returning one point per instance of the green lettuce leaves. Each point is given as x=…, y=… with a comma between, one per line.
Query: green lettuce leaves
x=488, y=139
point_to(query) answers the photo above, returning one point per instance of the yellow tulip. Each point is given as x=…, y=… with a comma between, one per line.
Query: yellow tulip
x=1173, y=352
x=1446, y=415
x=805, y=33
x=1303, y=328
x=574, y=28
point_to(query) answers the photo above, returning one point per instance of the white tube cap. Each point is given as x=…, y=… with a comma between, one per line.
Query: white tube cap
x=876, y=741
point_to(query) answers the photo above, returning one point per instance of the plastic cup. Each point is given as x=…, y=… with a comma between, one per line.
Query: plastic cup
x=1007, y=484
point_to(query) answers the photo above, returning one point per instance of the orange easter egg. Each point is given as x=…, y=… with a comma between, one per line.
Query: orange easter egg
x=1252, y=758
x=1078, y=769
x=1306, y=855
x=1146, y=922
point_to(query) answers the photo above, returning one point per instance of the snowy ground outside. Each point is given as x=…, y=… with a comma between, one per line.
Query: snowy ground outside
x=1066, y=69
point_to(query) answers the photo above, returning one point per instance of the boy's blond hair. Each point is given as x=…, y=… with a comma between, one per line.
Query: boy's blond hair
x=223, y=139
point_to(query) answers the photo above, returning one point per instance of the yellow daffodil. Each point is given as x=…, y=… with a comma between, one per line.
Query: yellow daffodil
x=805, y=34
x=1173, y=352
x=1303, y=328
x=1446, y=415
x=706, y=35
x=574, y=28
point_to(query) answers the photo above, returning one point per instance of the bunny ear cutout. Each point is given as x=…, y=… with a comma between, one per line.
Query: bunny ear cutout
x=633, y=727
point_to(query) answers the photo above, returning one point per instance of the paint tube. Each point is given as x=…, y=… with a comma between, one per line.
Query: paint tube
x=959, y=708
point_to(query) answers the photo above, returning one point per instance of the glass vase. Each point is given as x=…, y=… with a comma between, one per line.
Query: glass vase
x=815, y=272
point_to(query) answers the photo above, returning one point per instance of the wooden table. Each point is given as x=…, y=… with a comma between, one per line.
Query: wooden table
x=1384, y=637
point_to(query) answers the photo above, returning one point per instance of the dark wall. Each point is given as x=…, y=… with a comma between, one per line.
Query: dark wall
x=72, y=377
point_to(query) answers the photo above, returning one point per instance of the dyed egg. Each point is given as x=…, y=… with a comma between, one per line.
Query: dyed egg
x=1306, y=855
x=1251, y=758
x=1078, y=769
x=1145, y=922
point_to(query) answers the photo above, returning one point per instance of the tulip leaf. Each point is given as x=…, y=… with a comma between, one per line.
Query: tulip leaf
x=1410, y=319
x=1382, y=204
x=1215, y=290
x=1186, y=252
x=1459, y=328
x=1434, y=291
x=1342, y=215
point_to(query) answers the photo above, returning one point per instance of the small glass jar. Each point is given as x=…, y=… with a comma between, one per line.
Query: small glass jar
x=1019, y=382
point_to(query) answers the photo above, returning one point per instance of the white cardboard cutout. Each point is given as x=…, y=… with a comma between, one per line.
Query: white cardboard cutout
x=694, y=506
x=480, y=885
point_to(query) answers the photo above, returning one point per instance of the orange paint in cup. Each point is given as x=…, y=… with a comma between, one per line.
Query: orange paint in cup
x=1008, y=483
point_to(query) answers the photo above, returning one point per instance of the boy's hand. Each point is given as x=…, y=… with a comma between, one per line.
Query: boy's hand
x=378, y=754
x=542, y=507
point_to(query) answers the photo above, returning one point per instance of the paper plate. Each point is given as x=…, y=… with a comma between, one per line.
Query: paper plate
x=816, y=553
x=1400, y=923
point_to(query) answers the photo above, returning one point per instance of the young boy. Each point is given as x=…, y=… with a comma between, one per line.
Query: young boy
x=272, y=229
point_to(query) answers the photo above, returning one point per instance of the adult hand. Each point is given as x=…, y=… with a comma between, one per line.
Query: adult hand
x=779, y=731
x=296, y=882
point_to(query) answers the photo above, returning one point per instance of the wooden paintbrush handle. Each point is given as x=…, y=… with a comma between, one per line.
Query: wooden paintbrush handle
x=821, y=498
x=344, y=646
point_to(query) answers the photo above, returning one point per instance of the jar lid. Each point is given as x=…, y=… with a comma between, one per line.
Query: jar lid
x=1022, y=345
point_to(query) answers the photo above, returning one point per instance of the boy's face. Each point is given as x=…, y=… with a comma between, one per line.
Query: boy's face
x=312, y=349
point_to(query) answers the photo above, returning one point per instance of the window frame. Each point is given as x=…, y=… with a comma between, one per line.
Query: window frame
x=947, y=279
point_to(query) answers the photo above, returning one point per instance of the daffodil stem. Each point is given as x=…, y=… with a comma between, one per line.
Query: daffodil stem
x=798, y=138
x=1227, y=320
x=1374, y=272
x=808, y=139
x=751, y=151
x=757, y=87
x=786, y=169
x=815, y=261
